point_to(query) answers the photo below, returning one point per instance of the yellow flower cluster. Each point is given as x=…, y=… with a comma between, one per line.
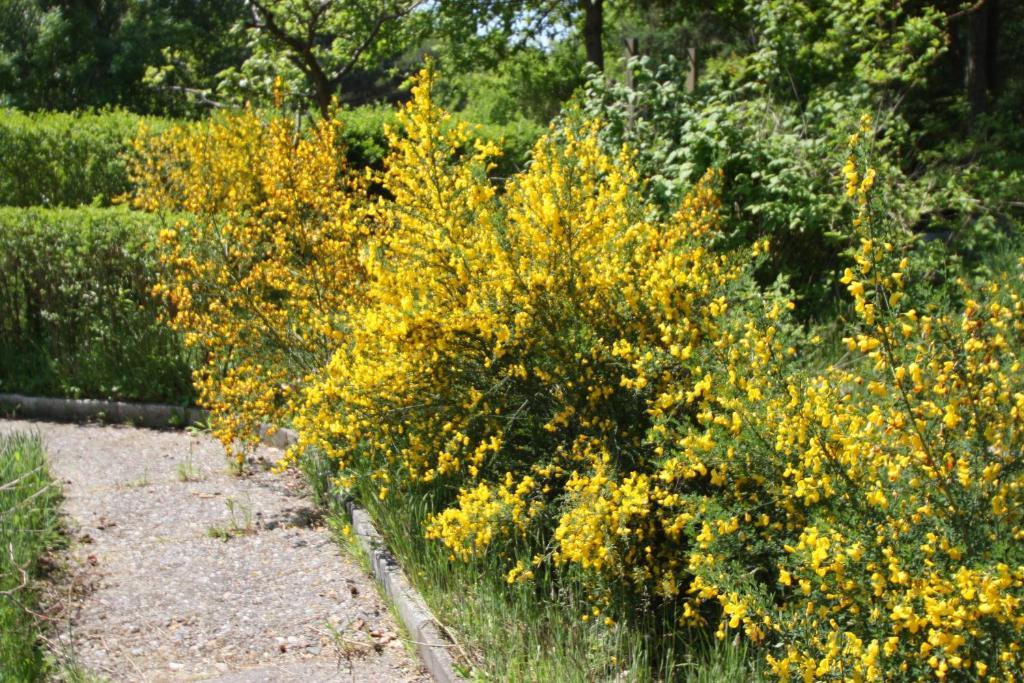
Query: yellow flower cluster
x=582, y=387
x=515, y=346
x=260, y=258
x=892, y=483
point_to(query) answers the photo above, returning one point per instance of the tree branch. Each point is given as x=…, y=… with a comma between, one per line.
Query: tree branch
x=967, y=10
x=312, y=17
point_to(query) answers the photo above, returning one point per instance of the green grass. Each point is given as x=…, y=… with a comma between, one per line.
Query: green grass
x=239, y=522
x=29, y=526
x=532, y=631
x=187, y=471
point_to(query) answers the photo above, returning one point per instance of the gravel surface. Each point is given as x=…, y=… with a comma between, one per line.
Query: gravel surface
x=222, y=578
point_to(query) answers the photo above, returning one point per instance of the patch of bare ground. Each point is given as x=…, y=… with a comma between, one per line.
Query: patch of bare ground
x=180, y=571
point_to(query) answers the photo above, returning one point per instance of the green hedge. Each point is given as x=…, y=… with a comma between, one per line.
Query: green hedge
x=362, y=133
x=76, y=315
x=57, y=159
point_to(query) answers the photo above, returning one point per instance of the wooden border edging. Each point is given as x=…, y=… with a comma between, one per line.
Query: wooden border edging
x=431, y=643
x=71, y=409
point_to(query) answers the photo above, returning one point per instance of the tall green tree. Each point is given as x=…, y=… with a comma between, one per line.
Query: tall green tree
x=475, y=29
x=69, y=54
x=471, y=29
x=324, y=43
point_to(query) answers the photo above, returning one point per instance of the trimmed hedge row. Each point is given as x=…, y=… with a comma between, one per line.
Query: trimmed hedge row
x=76, y=315
x=65, y=159
x=69, y=159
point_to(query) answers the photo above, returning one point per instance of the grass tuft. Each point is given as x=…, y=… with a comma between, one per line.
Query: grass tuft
x=531, y=631
x=187, y=471
x=29, y=527
x=240, y=521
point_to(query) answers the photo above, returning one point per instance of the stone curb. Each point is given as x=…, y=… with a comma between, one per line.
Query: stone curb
x=433, y=647
x=70, y=410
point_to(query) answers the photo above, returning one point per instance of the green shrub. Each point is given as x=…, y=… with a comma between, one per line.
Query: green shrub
x=516, y=139
x=780, y=173
x=362, y=132
x=775, y=122
x=56, y=159
x=366, y=143
x=76, y=315
x=530, y=84
x=29, y=525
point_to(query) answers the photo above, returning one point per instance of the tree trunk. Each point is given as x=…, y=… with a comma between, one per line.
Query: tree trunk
x=322, y=90
x=978, y=61
x=593, y=31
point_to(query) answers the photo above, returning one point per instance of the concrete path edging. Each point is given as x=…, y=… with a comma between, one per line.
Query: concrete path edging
x=431, y=644
x=433, y=647
x=72, y=409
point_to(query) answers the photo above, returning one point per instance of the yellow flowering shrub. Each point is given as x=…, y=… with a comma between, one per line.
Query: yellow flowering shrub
x=590, y=391
x=260, y=260
x=514, y=347
x=868, y=519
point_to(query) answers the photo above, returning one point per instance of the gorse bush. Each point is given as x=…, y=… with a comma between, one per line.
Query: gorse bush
x=866, y=520
x=596, y=393
x=493, y=355
x=262, y=264
x=76, y=315
x=53, y=159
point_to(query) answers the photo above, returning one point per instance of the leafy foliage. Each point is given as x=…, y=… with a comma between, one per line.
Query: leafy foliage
x=364, y=141
x=57, y=159
x=76, y=315
x=778, y=174
x=318, y=47
x=772, y=118
x=75, y=54
x=363, y=134
x=530, y=85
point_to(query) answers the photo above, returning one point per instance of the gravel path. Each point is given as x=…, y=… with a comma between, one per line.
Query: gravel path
x=218, y=578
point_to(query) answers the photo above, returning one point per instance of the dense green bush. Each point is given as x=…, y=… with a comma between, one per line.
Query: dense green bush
x=55, y=159
x=366, y=142
x=362, y=133
x=530, y=84
x=775, y=120
x=29, y=526
x=780, y=174
x=76, y=315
